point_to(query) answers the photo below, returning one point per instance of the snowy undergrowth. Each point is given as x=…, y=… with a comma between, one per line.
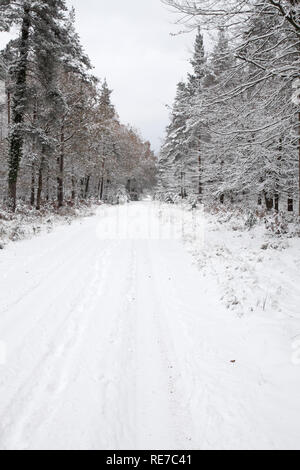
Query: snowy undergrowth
x=254, y=259
x=28, y=222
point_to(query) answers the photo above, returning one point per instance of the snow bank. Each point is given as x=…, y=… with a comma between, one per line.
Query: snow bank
x=27, y=222
x=254, y=258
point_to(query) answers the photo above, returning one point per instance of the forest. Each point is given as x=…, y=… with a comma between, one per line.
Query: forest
x=149, y=292
x=234, y=131
x=233, y=137
x=62, y=141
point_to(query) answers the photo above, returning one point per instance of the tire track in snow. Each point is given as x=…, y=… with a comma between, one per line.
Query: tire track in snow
x=32, y=405
x=119, y=380
x=192, y=383
x=178, y=430
x=34, y=287
x=210, y=386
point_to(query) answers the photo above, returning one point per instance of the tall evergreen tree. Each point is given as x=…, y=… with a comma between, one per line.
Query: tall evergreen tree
x=106, y=108
x=47, y=41
x=172, y=161
x=107, y=116
x=182, y=146
x=19, y=13
x=198, y=63
x=194, y=127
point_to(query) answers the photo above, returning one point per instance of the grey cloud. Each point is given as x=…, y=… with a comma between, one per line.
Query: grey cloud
x=130, y=44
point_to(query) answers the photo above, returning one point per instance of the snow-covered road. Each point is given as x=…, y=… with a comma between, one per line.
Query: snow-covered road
x=110, y=338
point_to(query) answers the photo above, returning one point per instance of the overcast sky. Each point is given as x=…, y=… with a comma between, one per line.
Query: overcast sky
x=129, y=43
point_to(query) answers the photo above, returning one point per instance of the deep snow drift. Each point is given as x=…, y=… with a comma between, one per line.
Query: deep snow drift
x=113, y=336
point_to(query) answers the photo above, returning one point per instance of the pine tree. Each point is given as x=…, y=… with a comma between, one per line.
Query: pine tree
x=217, y=157
x=106, y=108
x=47, y=39
x=172, y=162
x=8, y=12
x=198, y=62
x=195, y=127
x=180, y=157
x=107, y=117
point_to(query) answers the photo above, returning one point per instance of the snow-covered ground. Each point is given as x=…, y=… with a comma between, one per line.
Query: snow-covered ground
x=28, y=222
x=148, y=326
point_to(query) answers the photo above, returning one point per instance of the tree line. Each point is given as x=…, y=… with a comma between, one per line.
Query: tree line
x=234, y=129
x=61, y=137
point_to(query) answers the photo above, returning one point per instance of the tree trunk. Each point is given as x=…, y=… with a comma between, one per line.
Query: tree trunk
x=102, y=188
x=61, y=163
x=277, y=202
x=40, y=185
x=48, y=185
x=102, y=181
x=200, y=179
x=99, y=187
x=82, y=184
x=73, y=188
x=269, y=202
x=8, y=108
x=32, y=195
x=182, y=190
x=18, y=109
x=290, y=205
x=278, y=182
x=87, y=186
